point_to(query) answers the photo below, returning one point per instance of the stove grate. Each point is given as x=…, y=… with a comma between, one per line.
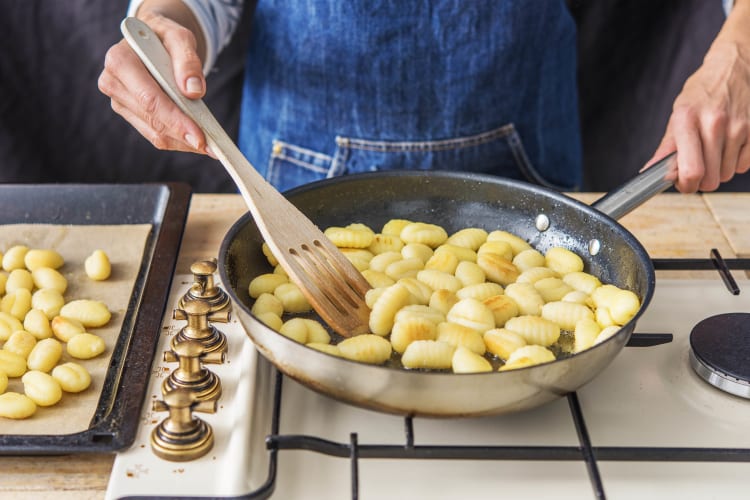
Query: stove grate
x=585, y=451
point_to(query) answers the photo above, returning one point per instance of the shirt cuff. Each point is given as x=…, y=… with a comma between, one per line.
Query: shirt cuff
x=217, y=20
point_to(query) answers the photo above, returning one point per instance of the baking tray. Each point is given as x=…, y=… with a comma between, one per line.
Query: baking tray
x=164, y=207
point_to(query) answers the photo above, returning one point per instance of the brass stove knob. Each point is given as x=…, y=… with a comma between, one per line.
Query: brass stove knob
x=181, y=436
x=204, y=288
x=191, y=374
x=198, y=314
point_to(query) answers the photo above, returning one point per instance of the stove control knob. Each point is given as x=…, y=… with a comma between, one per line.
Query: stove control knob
x=204, y=288
x=198, y=315
x=182, y=436
x=191, y=374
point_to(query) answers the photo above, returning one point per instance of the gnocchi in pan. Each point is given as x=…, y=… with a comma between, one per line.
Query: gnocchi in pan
x=472, y=301
x=43, y=334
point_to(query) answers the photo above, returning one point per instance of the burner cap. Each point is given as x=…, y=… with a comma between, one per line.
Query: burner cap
x=720, y=352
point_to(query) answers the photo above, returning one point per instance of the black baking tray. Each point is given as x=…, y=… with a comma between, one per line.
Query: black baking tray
x=164, y=206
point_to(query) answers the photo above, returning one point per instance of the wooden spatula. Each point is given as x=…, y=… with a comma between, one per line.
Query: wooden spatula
x=332, y=285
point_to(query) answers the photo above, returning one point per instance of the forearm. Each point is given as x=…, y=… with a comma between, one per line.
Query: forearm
x=736, y=28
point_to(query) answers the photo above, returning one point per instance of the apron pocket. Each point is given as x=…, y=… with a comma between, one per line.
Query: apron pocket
x=499, y=152
x=291, y=166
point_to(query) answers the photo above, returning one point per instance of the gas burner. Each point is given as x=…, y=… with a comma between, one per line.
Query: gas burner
x=720, y=350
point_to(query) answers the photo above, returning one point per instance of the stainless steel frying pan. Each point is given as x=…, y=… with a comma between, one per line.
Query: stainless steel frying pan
x=543, y=217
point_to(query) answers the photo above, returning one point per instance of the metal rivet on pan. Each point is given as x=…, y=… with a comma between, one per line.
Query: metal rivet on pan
x=542, y=222
x=594, y=247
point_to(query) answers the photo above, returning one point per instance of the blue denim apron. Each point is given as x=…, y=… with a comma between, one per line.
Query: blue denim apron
x=338, y=87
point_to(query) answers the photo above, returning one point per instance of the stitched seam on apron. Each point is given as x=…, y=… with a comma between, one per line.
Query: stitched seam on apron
x=301, y=163
x=439, y=145
x=301, y=150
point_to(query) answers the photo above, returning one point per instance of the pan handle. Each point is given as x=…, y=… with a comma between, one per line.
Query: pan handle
x=657, y=178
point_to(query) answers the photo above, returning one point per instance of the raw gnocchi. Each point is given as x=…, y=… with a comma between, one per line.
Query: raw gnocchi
x=16, y=406
x=97, y=265
x=37, y=326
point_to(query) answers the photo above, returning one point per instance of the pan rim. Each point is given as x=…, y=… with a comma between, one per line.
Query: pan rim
x=626, y=235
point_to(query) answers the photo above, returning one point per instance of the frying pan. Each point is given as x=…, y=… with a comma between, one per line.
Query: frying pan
x=542, y=217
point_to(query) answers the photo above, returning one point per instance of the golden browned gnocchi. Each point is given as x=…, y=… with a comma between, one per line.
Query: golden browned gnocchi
x=469, y=273
x=472, y=314
x=534, y=329
x=563, y=260
x=384, y=310
x=352, y=236
x=265, y=283
x=470, y=237
x=418, y=250
x=305, y=331
x=528, y=356
x=359, y=257
x=502, y=343
x=467, y=361
x=410, y=329
x=385, y=243
x=431, y=235
x=503, y=308
x=446, y=261
x=292, y=299
x=501, y=248
x=367, y=348
x=516, y=243
x=461, y=253
x=429, y=354
x=461, y=336
x=470, y=302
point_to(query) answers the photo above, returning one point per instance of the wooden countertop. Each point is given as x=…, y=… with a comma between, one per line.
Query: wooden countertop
x=670, y=225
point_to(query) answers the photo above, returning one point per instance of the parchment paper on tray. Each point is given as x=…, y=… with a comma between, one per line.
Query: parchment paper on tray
x=124, y=244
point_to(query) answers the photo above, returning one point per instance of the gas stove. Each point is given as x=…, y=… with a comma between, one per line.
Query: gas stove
x=662, y=421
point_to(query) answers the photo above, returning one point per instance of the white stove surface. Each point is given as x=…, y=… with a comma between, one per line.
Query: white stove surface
x=647, y=397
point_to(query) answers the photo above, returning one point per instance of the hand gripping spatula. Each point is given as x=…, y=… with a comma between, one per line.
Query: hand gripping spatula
x=332, y=285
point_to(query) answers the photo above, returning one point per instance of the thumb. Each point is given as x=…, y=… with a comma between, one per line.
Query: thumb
x=666, y=146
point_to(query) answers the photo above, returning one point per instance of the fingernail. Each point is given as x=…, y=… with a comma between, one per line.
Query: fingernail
x=210, y=153
x=194, y=84
x=191, y=140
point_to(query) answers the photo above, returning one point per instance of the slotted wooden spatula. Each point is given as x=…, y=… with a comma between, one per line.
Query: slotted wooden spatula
x=332, y=285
